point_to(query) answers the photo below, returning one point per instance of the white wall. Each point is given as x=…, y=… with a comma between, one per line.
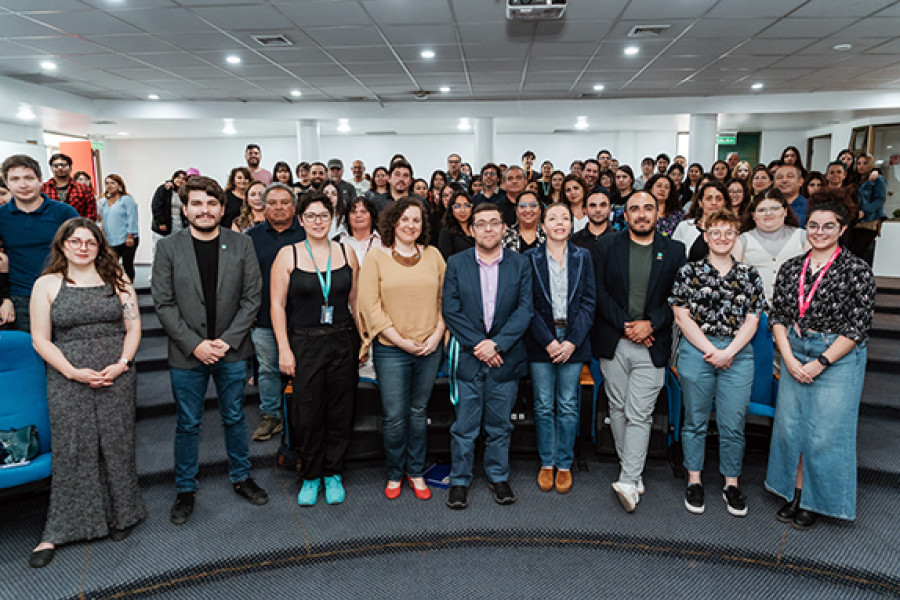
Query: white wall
x=773, y=143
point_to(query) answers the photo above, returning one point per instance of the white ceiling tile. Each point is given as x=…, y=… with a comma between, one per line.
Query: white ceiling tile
x=731, y=9
x=61, y=45
x=808, y=61
x=345, y=37
x=107, y=60
x=202, y=40
x=380, y=69
x=87, y=22
x=408, y=12
x=731, y=28
x=169, y=59
x=423, y=35
x=30, y=6
x=258, y=16
x=140, y=42
x=841, y=8
x=318, y=13
x=874, y=27
x=772, y=47
x=167, y=20
x=803, y=28
x=564, y=49
x=14, y=26
x=892, y=47
x=654, y=10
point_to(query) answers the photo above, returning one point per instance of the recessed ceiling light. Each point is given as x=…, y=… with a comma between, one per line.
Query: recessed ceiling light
x=631, y=50
x=842, y=47
x=296, y=93
x=599, y=87
x=444, y=89
x=233, y=60
x=48, y=65
x=581, y=123
x=153, y=96
x=464, y=124
x=229, y=127
x=343, y=125
x=757, y=86
x=427, y=54
x=123, y=133
x=25, y=113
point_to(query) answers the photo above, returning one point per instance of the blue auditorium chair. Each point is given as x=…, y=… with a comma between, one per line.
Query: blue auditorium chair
x=23, y=401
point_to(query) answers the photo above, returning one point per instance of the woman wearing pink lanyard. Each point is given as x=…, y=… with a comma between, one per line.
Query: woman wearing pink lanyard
x=821, y=313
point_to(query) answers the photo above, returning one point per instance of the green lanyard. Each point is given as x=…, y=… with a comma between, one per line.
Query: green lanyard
x=324, y=282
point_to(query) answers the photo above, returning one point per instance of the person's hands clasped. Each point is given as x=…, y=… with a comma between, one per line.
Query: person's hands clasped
x=209, y=352
x=563, y=353
x=90, y=377
x=720, y=359
x=640, y=332
x=485, y=352
x=111, y=372
x=803, y=373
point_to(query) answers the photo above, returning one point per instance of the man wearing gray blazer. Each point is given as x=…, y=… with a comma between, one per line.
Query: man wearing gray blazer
x=206, y=287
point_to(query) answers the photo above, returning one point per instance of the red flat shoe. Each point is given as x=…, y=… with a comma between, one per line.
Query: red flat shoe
x=392, y=493
x=420, y=494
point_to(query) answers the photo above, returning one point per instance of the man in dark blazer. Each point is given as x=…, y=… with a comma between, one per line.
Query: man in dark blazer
x=632, y=333
x=487, y=306
x=206, y=287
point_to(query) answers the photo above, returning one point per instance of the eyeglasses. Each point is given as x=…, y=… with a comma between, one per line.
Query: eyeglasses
x=59, y=165
x=489, y=173
x=77, y=244
x=718, y=234
x=461, y=206
x=769, y=210
x=312, y=217
x=813, y=227
x=528, y=205
x=492, y=224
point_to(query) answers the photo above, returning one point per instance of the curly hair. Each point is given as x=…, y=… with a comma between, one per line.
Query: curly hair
x=118, y=179
x=696, y=211
x=245, y=219
x=106, y=263
x=230, y=184
x=391, y=216
x=370, y=208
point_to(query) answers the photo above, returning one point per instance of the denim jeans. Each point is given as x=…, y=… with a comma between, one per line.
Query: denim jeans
x=189, y=388
x=818, y=421
x=556, y=411
x=405, y=382
x=270, y=390
x=482, y=401
x=701, y=384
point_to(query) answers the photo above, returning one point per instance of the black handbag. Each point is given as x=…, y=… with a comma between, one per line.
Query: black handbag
x=19, y=445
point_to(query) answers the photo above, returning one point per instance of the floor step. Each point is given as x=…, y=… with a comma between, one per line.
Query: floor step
x=145, y=303
x=883, y=356
x=888, y=285
x=878, y=445
x=880, y=391
x=150, y=325
x=152, y=355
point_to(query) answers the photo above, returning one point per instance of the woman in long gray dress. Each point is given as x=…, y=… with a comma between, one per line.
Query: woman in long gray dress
x=85, y=324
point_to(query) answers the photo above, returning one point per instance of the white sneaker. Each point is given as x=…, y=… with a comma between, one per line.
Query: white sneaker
x=640, y=486
x=628, y=495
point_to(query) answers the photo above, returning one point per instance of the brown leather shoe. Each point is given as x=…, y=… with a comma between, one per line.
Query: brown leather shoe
x=563, y=481
x=545, y=479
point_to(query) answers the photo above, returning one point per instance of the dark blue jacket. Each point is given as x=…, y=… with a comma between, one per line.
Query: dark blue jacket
x=464, y=315
x=610, y=257
x=580, y=306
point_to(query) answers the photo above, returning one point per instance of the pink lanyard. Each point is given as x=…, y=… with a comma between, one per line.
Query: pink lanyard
x=804, y=301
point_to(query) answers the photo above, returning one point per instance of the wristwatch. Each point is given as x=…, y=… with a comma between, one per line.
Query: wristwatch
x=127, y=362
x=497, y=349
x=823, y=360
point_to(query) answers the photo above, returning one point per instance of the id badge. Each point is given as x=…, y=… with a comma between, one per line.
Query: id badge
x=327, y=315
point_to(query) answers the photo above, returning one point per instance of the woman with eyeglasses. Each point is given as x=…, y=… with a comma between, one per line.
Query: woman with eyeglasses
x=738, y=196
x=456, y=234
x=526, y=233
x=313, y=290
x=717, y=302
x=86, y=324
x=822, y=308
x=401, y=285
x=119, y=213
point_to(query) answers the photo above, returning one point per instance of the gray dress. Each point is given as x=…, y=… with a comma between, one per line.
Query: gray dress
x=95, y=483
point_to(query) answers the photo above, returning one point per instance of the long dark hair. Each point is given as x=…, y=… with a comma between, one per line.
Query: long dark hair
x=774, y=194
x=282, y=166
x=696, y=211
x=368, y=205
x=391, y=216
x=449, y=219
x=106, y=263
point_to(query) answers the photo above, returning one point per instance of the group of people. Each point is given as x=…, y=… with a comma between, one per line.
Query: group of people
x=508, y=283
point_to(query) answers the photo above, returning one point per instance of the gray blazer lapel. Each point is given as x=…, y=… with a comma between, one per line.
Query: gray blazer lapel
x=187, y=255
x=225, y=254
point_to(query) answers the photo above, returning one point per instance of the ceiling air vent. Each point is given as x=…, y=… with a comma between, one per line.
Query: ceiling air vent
x=647, y=31
x=272, y=41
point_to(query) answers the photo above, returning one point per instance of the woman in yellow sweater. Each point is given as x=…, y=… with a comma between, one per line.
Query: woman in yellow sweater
x=400, y=316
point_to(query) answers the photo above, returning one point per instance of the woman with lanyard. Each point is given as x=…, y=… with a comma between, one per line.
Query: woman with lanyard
x=822, y=310
x=400, y=315
x=315, y=283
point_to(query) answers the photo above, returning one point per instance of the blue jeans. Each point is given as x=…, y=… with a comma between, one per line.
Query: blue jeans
x=818, y=421
x=270, y=391
x=701, y=384
x=556, y=391
x=405, y=382
x=482, y=401
x=189, y=389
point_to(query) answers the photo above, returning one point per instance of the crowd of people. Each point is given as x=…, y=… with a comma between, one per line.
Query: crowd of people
x=495, y=276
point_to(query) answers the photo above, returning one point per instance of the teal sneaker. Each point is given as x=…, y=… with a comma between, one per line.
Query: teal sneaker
x=334, y=490
x=309, y=493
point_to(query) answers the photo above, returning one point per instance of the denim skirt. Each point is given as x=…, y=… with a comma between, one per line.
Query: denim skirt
x=818, y=421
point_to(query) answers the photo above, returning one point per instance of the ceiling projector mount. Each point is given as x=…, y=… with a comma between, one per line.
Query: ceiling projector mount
x=535, y=10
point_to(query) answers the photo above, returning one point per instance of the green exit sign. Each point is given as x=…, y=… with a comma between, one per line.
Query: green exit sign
x=96, y=145
x=726, y=140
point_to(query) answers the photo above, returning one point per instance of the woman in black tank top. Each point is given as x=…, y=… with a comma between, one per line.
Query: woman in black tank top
x=313, y=303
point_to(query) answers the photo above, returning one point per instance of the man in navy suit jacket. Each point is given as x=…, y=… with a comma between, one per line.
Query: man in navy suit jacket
x=487, y=306
x=632, y=332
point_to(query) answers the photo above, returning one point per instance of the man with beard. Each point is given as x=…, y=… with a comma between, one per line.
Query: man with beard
x=253, y=155
x=400, y=178
x=591, y=174
x=632, y=333
x=598, y=210
x=515, y=181
x=206, y=288
x=317, y=175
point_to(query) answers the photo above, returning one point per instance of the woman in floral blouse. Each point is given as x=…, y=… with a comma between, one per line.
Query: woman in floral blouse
x=717, y=302
x=822, y=309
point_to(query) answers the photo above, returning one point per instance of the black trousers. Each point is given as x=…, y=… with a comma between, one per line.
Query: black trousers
x=327, y=372
x=126, y=254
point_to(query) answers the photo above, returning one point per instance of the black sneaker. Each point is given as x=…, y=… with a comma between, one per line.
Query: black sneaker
x=734, y=499
x=183, y=507
x=503, y=494
x=693, y=498
x=458, y=498
x=252, y=492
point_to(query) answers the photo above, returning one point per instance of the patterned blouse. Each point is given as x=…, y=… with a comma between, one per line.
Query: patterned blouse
x=844, y=302
x=719, y=304
x=666, y=225
x=512, y=240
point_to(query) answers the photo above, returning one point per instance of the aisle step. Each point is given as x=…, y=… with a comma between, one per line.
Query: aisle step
x=145, y=304
x=883, y=356
x=888, y=285
x=880, y=390
x=150, y=325
x=152, y=354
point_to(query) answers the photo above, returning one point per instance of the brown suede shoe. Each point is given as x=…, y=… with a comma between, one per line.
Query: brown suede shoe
x=563, y=481
x=545, y=479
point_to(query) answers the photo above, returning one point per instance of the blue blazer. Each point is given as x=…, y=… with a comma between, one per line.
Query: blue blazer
x=464, y=315
x=579, y=308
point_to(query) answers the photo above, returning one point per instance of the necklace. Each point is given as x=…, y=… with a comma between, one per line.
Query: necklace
x=407, y=261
